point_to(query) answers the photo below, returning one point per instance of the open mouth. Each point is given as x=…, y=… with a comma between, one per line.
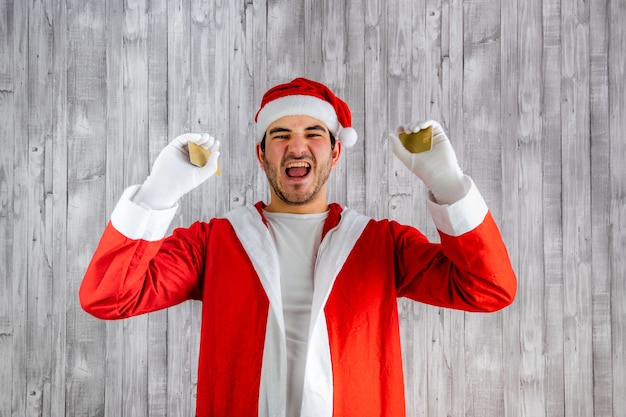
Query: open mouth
x=298, y=169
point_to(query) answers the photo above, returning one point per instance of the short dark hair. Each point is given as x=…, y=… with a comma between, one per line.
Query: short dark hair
x=332, y=141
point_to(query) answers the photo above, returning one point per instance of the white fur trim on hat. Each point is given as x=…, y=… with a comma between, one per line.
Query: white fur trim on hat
x=347, y=136
x=298, y=105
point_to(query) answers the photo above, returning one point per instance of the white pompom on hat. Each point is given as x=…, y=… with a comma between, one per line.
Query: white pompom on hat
x=303, y=97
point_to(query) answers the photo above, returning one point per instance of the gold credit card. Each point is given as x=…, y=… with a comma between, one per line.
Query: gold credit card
x=199, y=156
x=417, y=142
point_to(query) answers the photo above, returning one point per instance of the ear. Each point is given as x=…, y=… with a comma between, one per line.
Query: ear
x=337, y=152
x=259, y=155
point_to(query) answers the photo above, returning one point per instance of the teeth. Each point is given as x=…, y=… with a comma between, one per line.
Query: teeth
x=298, y=165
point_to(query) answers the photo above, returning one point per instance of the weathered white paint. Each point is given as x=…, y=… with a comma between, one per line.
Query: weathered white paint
x=533, y=95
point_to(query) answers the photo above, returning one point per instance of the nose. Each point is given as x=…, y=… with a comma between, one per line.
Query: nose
x=298, y=144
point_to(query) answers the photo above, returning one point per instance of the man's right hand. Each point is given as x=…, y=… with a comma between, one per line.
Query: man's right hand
x=172, y=174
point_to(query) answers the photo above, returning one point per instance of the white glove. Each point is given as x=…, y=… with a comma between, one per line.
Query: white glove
x=173, y=175
x=438, y=168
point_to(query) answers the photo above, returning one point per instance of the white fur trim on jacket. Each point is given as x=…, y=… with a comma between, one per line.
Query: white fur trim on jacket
x=462, y=216
x=317, y=397
x=139, y=222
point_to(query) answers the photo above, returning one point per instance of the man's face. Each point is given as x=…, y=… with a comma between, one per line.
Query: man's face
x=297, y=160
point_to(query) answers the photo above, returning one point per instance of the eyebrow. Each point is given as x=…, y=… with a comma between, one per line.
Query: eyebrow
x=316, y=127
x=279, y=130
x=285, y=130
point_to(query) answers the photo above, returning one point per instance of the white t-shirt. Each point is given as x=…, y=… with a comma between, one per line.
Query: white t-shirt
x=297, y=238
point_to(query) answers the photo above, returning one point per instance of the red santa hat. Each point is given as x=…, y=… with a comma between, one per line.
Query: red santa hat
x=302, y=97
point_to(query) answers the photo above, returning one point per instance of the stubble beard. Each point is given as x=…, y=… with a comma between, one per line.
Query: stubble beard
x=298, y=197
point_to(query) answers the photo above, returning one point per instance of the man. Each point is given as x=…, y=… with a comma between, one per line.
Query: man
x=299, y=313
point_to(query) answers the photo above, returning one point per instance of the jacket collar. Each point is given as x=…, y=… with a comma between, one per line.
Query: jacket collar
x=334, y=216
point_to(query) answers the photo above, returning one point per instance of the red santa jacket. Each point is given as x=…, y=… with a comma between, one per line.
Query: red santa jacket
x=354, y=365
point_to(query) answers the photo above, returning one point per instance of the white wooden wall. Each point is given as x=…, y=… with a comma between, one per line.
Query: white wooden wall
x=532, y=93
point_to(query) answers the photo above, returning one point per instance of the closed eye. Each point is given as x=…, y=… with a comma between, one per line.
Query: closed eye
x=279, y=133
x=316, y=131
x=312, y=132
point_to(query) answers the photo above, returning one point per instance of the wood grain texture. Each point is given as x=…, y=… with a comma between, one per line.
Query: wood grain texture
x=482, y=160
x=600, y=185
x=552, y=208
x=617, y=199
x=7, y=229
x=86, y=177
x=575, y=115
x=532, y=95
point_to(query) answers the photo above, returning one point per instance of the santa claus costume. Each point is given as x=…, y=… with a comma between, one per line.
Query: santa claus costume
x=351, y=365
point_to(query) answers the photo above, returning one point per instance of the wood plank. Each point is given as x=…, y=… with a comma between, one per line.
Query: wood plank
x=57, y=200
x=314, y=34
x=20, y=208
x=480, y=151
x=436, y=363
x=600, y=210
x=375, y=147
x=8, y=129
x=552, y=207
x=38, y=288
x=577, y=324
x=219, y=74
x=209, y=65
x=39, y=271
x=285, y=20
x=238, y=113
x=617, y=216
x=332, y=72
x=482, y=161
x=530, y=235
x=355, y=97
x=256, y=47
x=414, y=338
x=86, y=169
x=399, y=110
